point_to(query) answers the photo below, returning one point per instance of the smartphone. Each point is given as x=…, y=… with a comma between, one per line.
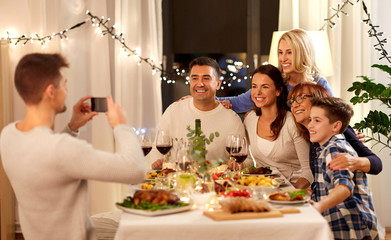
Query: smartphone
x=99, y=104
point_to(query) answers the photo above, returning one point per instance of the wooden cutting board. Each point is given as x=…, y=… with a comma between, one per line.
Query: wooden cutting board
x=289, y=210
x=220, y=215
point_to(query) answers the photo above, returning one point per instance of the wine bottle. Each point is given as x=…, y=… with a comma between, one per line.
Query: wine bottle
x=199, y=142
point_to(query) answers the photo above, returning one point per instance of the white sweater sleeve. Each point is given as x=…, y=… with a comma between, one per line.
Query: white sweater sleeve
x=78, y=159
x=302, y=149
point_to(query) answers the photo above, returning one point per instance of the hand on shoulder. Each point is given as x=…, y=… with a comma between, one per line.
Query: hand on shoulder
x=183, y=98
x=226, y=103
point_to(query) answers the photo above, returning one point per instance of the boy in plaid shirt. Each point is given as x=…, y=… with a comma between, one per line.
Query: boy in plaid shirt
x=342, y=197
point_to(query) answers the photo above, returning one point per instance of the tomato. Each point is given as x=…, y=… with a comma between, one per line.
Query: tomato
x=231, y=194
x=228, y=178
x=214, y=176
x=246, y=193
x=236, y=176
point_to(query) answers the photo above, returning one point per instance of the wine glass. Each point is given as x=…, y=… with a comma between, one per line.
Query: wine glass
x=183, y=157
x=229, y=143
x=164, y=145
x=239, y=151
x=145, y=139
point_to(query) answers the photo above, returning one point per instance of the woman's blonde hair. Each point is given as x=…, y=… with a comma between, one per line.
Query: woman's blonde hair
x=303, y=54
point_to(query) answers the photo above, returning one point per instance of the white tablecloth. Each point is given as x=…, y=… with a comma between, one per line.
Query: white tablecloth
x=308, y=224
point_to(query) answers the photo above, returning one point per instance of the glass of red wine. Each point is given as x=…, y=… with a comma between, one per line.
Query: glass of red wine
x=239, y=152
x=229, y=144
x=145, y=139
x=164, y=145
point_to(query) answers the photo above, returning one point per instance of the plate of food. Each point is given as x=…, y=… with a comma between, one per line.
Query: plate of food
x=260, y=184
x=153, y=203
x=266, y=171
x=289, y=197
x=158, y=173
x=224, y=175
x=261, y=180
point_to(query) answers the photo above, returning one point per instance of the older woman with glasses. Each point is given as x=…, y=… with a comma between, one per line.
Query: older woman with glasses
x=299, y=99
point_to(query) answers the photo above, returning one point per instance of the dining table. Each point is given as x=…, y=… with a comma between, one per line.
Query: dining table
x=308, y=223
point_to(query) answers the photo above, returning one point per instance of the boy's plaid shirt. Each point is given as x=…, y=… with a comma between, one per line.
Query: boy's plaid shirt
x=354, y=218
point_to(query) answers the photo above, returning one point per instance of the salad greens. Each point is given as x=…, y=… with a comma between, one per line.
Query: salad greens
x=253, y=169
x=300, y=192
x=144, y=205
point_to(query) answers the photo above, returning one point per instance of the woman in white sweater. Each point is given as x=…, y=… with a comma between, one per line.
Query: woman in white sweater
x=270, y=127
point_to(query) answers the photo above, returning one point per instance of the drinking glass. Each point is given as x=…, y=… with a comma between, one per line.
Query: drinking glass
x=239, y=151
x=164, y=145
x=183, y=157
x=229, y=144
x=145, y=139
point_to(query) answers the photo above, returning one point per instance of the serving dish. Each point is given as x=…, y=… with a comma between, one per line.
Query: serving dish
x=152, y=213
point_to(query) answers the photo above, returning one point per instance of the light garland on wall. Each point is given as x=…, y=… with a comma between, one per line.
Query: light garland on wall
x=372, y=32
x=103, y=27
x=339, y=11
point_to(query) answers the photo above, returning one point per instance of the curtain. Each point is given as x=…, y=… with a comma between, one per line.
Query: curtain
x=7, y=198
x=352, y=53
x=98, y=67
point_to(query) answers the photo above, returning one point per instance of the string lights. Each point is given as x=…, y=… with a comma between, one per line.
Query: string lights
x=103, y=27
x=230, y=74
x=337, y=13
x=372, y=32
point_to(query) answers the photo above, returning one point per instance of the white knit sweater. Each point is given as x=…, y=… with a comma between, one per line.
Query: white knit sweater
x=290, y=153
x=49, y=174
x=180, y=114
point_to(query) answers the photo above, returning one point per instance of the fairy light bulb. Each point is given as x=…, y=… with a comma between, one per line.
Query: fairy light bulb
x=138, y=50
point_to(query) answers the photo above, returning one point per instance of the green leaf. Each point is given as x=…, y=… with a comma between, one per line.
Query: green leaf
x=384, y=68
x=355, y=100
x=211, y=136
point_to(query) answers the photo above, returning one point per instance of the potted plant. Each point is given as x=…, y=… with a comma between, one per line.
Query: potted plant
x=377, y=123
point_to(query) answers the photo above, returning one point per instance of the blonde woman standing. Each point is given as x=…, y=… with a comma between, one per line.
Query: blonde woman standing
x=296, y=62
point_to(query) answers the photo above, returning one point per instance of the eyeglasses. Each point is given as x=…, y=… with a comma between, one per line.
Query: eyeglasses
x=298, y=99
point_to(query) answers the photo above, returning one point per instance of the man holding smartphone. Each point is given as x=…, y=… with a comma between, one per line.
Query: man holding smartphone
x=49, y=171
